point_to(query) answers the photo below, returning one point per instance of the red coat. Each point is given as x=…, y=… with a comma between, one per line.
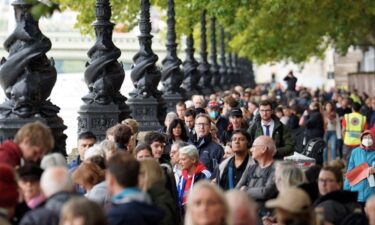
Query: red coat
x=10, y=154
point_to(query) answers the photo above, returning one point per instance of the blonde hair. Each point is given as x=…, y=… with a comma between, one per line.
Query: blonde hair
x=227, y=220
x=151, y=172
x=37, y=134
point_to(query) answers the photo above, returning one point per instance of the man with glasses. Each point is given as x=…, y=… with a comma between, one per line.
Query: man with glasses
x=269, y=125
x=210, y=153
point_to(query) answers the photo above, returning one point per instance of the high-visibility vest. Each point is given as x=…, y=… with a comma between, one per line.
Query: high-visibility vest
x=355, y=123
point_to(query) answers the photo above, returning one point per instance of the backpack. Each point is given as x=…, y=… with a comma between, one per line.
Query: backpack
x=314, y=149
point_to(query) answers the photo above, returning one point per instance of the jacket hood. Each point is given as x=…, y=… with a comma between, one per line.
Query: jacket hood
x=197, y=170
x=373, y=139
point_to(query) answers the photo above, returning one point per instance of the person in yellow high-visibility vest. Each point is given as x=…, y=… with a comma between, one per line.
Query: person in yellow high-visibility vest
x=353, y=124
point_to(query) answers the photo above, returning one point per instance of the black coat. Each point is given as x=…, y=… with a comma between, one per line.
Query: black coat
x=314, y=125
x=48, y=213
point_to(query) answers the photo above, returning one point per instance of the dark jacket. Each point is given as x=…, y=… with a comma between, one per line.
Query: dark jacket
x=134, y=209
x=210, y=153
x=314, y=125
x=291, y=83
x=293, y=121
x=337, y=205
x=162, y=198
x=221, y=125
x=280, y=134
x=48, y=213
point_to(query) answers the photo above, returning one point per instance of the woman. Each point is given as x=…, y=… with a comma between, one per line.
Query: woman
x=176, y=133
x=92, y=178
x=152, y=181
x=288, y=175
x=333, y=130
x=143, y=151
x=29, y=183
x=192, y=171
x=82, y=211
x=365, y=153
x=207, y=206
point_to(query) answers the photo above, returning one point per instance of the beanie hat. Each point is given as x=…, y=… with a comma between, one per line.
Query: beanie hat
x=8, y=187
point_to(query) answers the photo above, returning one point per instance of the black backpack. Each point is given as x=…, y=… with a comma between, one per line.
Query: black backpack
x=314, y=149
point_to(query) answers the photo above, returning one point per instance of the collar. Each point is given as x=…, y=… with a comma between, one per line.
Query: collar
x=125, y=193
x=268, y=123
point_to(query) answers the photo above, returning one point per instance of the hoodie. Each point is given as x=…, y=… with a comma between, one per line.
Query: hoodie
x=187, y=181
x=138, y=208
x=358, y=156
x=10, y=154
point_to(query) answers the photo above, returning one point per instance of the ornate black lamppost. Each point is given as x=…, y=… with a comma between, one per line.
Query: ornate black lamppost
x=204, y=66
x=191, y=73
x=171, y=74
x=223, y=64
x=230, y=71
x=214, y=69
x=27, y=77
x=146, y=101
x=104, y=106
x=236, y=70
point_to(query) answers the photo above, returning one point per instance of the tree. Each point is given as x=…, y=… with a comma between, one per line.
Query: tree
x=262, y=30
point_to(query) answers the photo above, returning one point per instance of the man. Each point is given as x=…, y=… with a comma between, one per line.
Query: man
x=157, y=142
x=31, y=142
x=122, y=135
x=235, y=123
x=210, y=153
x=221, y=123
x=122, y=182
x=198, y=101
x=232, y=171
x=270, y=125
x=260, y=181
x=293, y=119
x=189, y=119
x=181, y=109
x=85, y=140
x=244, y=209
x=353, y=124
x=291, y=82
x=57, y=187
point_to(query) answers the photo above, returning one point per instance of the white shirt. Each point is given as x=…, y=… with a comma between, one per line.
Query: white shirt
x=271, y=124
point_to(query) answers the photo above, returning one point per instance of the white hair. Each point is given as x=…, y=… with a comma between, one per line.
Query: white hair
x=55, y=180
x=107, y=145
x=52, y=160
x=191, y=151
x=189, y=104
x=94, y=151
x=239, y=200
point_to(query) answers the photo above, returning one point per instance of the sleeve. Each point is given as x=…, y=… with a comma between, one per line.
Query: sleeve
x=351, y=165
x=266, y=192
x=288, y=147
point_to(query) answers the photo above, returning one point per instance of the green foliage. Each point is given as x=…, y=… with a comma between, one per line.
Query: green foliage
x=262, y=30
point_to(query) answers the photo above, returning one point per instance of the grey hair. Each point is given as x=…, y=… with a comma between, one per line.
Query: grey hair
x=290, y=176
x=55, y=180
x=107, y=145
x=191, y=151
x=171, y=116
x=94, y=151
x=53, y=159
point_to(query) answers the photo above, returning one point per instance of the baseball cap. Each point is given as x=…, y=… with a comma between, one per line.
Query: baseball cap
x=213, y=104
x=235, y=112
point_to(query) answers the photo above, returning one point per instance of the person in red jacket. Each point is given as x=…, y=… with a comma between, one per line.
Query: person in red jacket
x=31, y=142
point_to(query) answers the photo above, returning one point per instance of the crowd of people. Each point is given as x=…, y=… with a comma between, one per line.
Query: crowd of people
x=218, y=160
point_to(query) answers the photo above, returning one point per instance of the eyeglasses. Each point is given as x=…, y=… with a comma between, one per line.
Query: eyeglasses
x=326, y=180
x=265, y=110
x=201, y=124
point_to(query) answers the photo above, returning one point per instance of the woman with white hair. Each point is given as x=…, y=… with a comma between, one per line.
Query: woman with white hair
x=207, y=205
x=192, y=171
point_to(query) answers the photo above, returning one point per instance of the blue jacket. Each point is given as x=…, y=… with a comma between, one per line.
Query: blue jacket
x=133, y=207
x=210, y=153
x=359, y=156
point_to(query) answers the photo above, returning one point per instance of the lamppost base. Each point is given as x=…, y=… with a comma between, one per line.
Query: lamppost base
x=145, y=111
x=98, y=118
